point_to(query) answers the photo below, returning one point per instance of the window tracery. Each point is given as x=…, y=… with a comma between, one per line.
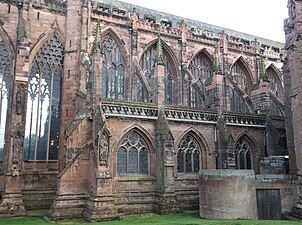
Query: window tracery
x=274, y=85
x=147, y=64
x=113, y=70
x=188, y=156
x=133, y=155
x=202, y=69
x=42, y=129
x=243, y=156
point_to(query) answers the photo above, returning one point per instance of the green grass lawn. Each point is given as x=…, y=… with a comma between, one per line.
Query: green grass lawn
x=180, y=219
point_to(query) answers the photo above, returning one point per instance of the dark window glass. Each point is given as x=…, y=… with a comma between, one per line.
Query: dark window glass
x=44, y=103
x=243, y=157
x=113, y=72
x=133, y=155
x=239, y=75
x=143, y=161
x=274, y=82
x=180, y=161
x=133, y=161
x=237, y=102
x=188, y=156
x=202, y=69
x=122, y=161
x=147, y=65
x=4, y=93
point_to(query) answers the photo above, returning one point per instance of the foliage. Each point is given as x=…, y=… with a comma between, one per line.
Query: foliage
x=179, y=219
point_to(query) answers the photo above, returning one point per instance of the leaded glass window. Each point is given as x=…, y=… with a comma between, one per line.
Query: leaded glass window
x=113, y=70
x=237, y=102
x=202, y=69
x=133, y=155
x=243, y=157
x=4, y=93
x=188, y=156
x=274, y=85
x=238, y=75
x=43, y=116
x=147, y=64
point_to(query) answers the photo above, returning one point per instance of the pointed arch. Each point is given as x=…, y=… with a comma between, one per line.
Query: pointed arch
x=204, y=51
x=7, y=42
x=277, y=106
x=241, y=74
x=246, y=151
x=133, y=155
x=147, y=66
x=192, y=151
x=43, y=39
x=143, y=132
x=274, y=77
x=43, y=116
x=113, y=66
x=6, y=69
x=200, y=68
x=117, y=38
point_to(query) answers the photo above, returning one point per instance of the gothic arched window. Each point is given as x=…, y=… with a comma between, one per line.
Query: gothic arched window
x=43, y=113
x=147, y=65
x=113, y=71
x=189, y=155
x=274, y=83
x=237, y=102
x=202, y=69
x=133, y=155
x=243, y=156
x=241, y=76
x=4, y=93
x=275, y=110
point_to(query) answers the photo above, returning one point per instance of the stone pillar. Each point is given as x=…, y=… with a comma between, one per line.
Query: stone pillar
x=12, y=199
x=227, y=194
x=72, y=64
x=293, y=29
x=166, y=202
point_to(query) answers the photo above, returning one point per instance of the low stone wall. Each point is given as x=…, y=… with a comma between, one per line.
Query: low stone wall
x=227, y=194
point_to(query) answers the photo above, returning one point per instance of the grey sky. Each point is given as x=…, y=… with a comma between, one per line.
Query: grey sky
x=262, y=18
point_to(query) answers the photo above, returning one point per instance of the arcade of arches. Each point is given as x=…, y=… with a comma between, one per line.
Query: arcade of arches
x=125, y=105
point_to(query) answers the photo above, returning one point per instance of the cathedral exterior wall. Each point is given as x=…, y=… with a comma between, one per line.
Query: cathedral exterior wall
x=127, y=94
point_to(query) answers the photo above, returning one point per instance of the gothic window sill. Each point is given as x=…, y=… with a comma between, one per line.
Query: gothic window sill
x=135, y=177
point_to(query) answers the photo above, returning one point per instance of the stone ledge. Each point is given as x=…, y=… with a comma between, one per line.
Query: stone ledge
x=227, y=173
x=136, y=178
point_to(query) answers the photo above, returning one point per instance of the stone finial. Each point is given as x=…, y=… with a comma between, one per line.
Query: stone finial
x=159, y=52
x=97, y=43
x=262, y=71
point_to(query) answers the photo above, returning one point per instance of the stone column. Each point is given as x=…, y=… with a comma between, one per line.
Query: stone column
x=12, y=199
x=293, y=30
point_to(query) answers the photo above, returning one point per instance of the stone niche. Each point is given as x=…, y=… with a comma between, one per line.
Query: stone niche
x=227, y=194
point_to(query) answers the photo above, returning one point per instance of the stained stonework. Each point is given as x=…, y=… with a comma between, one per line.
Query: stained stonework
x=115, y=109
x=293, y=88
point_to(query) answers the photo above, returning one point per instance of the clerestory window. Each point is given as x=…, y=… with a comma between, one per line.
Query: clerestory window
x=147, y=65
x=113, y=71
